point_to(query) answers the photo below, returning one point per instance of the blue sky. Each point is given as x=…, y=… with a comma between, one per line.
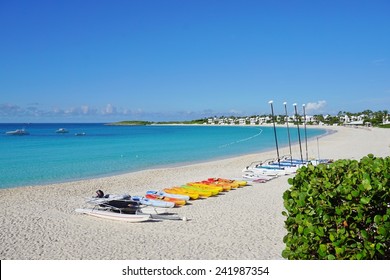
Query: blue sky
x=91, y=60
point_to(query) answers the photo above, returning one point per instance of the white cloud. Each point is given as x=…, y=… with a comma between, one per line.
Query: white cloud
x=109, y=110
x=315, y=107
x=85, y=109
x=235, y=112
x=379, y=61
x=9, y=109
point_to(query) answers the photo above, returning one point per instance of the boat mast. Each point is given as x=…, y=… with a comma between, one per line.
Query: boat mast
x=288, y=130
x=276, y=138
x=299, y=134
x=304, y=115
x=318, y=150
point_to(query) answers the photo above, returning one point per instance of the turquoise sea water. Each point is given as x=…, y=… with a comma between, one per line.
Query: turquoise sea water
x=46, y=157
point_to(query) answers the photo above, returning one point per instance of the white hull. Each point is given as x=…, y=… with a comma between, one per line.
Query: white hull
x=17, y=132
x=114, y=216
x=252, y=176
x=265, y=171
x=153, y=210
x=287, y=169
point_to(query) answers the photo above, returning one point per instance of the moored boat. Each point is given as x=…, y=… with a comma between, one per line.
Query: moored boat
x=62, y=130
x=18, y=132
x=80, y=134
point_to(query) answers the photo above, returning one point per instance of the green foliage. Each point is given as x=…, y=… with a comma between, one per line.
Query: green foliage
x=198, y=121
x=124, y=123
x=339, y=211
x=131, y=123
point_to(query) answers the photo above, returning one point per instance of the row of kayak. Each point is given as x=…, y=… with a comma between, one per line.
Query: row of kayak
x=155, y=204
x=180, y=195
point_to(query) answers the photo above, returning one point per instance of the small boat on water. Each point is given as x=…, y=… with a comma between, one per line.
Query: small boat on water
x=18, y=132
x=80, y=134
x=62, y=130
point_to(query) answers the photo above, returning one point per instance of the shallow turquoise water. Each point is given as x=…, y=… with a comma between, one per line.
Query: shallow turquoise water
x=45, y=156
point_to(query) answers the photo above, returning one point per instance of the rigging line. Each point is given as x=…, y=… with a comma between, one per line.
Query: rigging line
x=241, y=140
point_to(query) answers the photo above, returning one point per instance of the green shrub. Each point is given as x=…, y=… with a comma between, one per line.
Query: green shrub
x=339, y=211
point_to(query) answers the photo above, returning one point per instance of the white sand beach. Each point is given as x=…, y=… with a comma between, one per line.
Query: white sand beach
x=40, y=222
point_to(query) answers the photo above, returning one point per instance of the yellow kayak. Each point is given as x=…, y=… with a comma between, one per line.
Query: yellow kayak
x=213, y=189
x=204, y=193
x=209, y=186
x=199, y=192
x=178, y=190
x=220, y=188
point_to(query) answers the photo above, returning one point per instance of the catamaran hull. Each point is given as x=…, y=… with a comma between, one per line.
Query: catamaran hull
x=132, y=218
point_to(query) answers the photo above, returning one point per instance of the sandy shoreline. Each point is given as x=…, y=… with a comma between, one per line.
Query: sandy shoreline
x=40, y=222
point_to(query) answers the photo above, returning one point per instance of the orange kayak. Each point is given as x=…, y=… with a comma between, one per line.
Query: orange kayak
x=178, y=202
x=225, y=186
x=239, y=183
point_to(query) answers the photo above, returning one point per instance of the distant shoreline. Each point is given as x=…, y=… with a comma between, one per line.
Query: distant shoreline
x=145, y=123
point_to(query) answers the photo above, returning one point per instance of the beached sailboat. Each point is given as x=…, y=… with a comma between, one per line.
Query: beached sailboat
x=280, y=165
x=258, y=178
x=112, y=215
x=113, y=207
x=124, y=208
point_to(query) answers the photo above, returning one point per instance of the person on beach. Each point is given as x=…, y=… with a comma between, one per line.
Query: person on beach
x=119, y=204
x=99, y=194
